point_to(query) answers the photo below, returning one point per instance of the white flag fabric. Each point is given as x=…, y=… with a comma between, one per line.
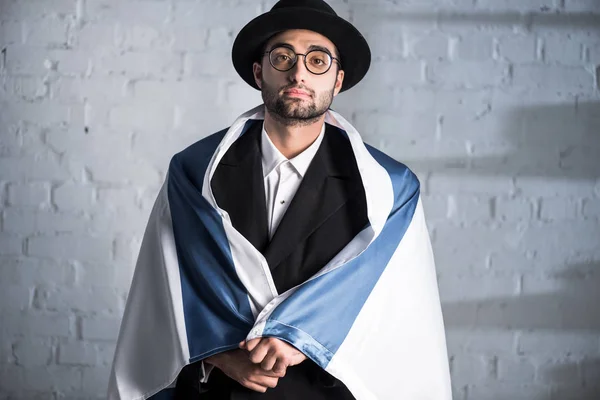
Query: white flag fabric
x=371, y=317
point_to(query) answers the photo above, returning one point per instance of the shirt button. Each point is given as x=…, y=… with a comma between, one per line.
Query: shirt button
x=282, y=202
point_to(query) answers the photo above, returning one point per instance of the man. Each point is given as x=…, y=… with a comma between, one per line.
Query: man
x=276, y=249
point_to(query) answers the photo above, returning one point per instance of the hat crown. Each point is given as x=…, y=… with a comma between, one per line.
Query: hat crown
x=318, y=5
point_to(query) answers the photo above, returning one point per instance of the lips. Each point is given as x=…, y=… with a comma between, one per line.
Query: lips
x=297, y=92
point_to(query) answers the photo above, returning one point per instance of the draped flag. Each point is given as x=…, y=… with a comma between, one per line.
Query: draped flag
x=371, y=316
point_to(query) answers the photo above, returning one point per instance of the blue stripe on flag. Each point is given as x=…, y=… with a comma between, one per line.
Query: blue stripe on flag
x=338, y=296
x=216, y=307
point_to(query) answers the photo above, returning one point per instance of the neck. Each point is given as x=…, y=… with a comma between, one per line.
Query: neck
x=292, y=140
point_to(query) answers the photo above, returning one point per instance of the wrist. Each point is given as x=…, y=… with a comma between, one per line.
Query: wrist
x=216, y=359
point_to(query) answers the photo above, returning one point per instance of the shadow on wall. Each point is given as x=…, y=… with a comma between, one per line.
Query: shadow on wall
x=566, y=313
x=535, y=141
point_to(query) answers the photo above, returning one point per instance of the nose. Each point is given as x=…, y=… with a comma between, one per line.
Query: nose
x=298, y=72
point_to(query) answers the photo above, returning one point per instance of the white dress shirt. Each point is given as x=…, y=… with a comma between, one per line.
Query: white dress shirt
x=282, y=176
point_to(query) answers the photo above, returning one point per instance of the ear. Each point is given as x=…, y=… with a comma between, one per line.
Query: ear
x=257, y=71
x=338, y=82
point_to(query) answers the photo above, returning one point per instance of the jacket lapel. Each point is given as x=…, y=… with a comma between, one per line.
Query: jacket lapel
x=238, y=187
x=330, y=180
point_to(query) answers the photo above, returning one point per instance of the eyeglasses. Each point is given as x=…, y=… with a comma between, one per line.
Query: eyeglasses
x=317, y=62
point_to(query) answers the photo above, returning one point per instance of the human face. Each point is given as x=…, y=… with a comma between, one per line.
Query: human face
x=297, y=96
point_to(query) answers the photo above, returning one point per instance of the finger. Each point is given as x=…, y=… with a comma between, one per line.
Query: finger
x=242, y=344
x=269, y=361
x=268, y=381
x=280, y=367
x=258, y=354
x=255, y=386
x=251, y=344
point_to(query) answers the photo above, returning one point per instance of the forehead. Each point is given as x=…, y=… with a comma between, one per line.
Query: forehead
x=301, y=39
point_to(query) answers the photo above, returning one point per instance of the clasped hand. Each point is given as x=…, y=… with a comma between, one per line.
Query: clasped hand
x=259, y=363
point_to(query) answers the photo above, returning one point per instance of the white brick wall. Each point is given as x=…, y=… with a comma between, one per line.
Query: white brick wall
x=494, y=103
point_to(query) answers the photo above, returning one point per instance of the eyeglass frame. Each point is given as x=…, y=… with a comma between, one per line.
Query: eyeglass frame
x=305, y=54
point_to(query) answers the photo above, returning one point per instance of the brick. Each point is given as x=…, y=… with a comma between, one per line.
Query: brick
x=14, y=299
x=569, y=79
x=92, y=34
x=130, y=12
x=471, y=368
x=32, y=272
x=30, y=167
x=394, y=73
x=226, y=13
x=581, y=5
x=202, y=38
x=558, y=343
x=77, y=353
x=558, y=186
x=519, y=49
x=106, y=353
x=97, y=89
x=10, y=245
x=71, y=247
x=548, y=236
x=433, y=46
x=29, y=195
x=11, y=32
x=513, y=209
x=590, y=370
x=385, y=40
x=489, y=391
x=563, y=49
x=487, y=185
x=45, y=112
x=86, y=300
x=553, y=209
x=467, y=74
x=511, y=260
x=503, y=5
x=519, y=370
x=469, y=208
x=213, y=63
x=559, y=372
x=591, y=208
x=68, y=222
x=480, y=342
x=95, y=380
x=73, y=197
x=52, y=378
x=473, y=48
x=29, y=89
x=572, y=392
x=151, y=117
x=49, y=31
x=136, y=36
x=452, y=288
x=435, y=207
x=118, y=198
x=17, y=10
x=138, y=64
x=37, y=324
x=100, y=328
x=30, y=352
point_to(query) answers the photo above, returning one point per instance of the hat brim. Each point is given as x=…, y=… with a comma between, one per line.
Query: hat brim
x=353, y=48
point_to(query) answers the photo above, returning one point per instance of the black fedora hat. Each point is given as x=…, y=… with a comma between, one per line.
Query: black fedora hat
x=313, y=15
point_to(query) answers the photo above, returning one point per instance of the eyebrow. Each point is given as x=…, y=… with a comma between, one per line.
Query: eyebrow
x=310, y=48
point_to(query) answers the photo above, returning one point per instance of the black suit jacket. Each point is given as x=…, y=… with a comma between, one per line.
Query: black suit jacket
x=327, y=211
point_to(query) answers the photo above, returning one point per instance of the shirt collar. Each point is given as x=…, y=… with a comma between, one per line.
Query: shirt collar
x=272, y=157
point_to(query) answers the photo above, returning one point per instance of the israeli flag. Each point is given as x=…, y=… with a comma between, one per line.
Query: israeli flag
x=371, y=317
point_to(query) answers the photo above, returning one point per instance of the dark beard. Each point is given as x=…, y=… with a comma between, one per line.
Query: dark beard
x=293, y=112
